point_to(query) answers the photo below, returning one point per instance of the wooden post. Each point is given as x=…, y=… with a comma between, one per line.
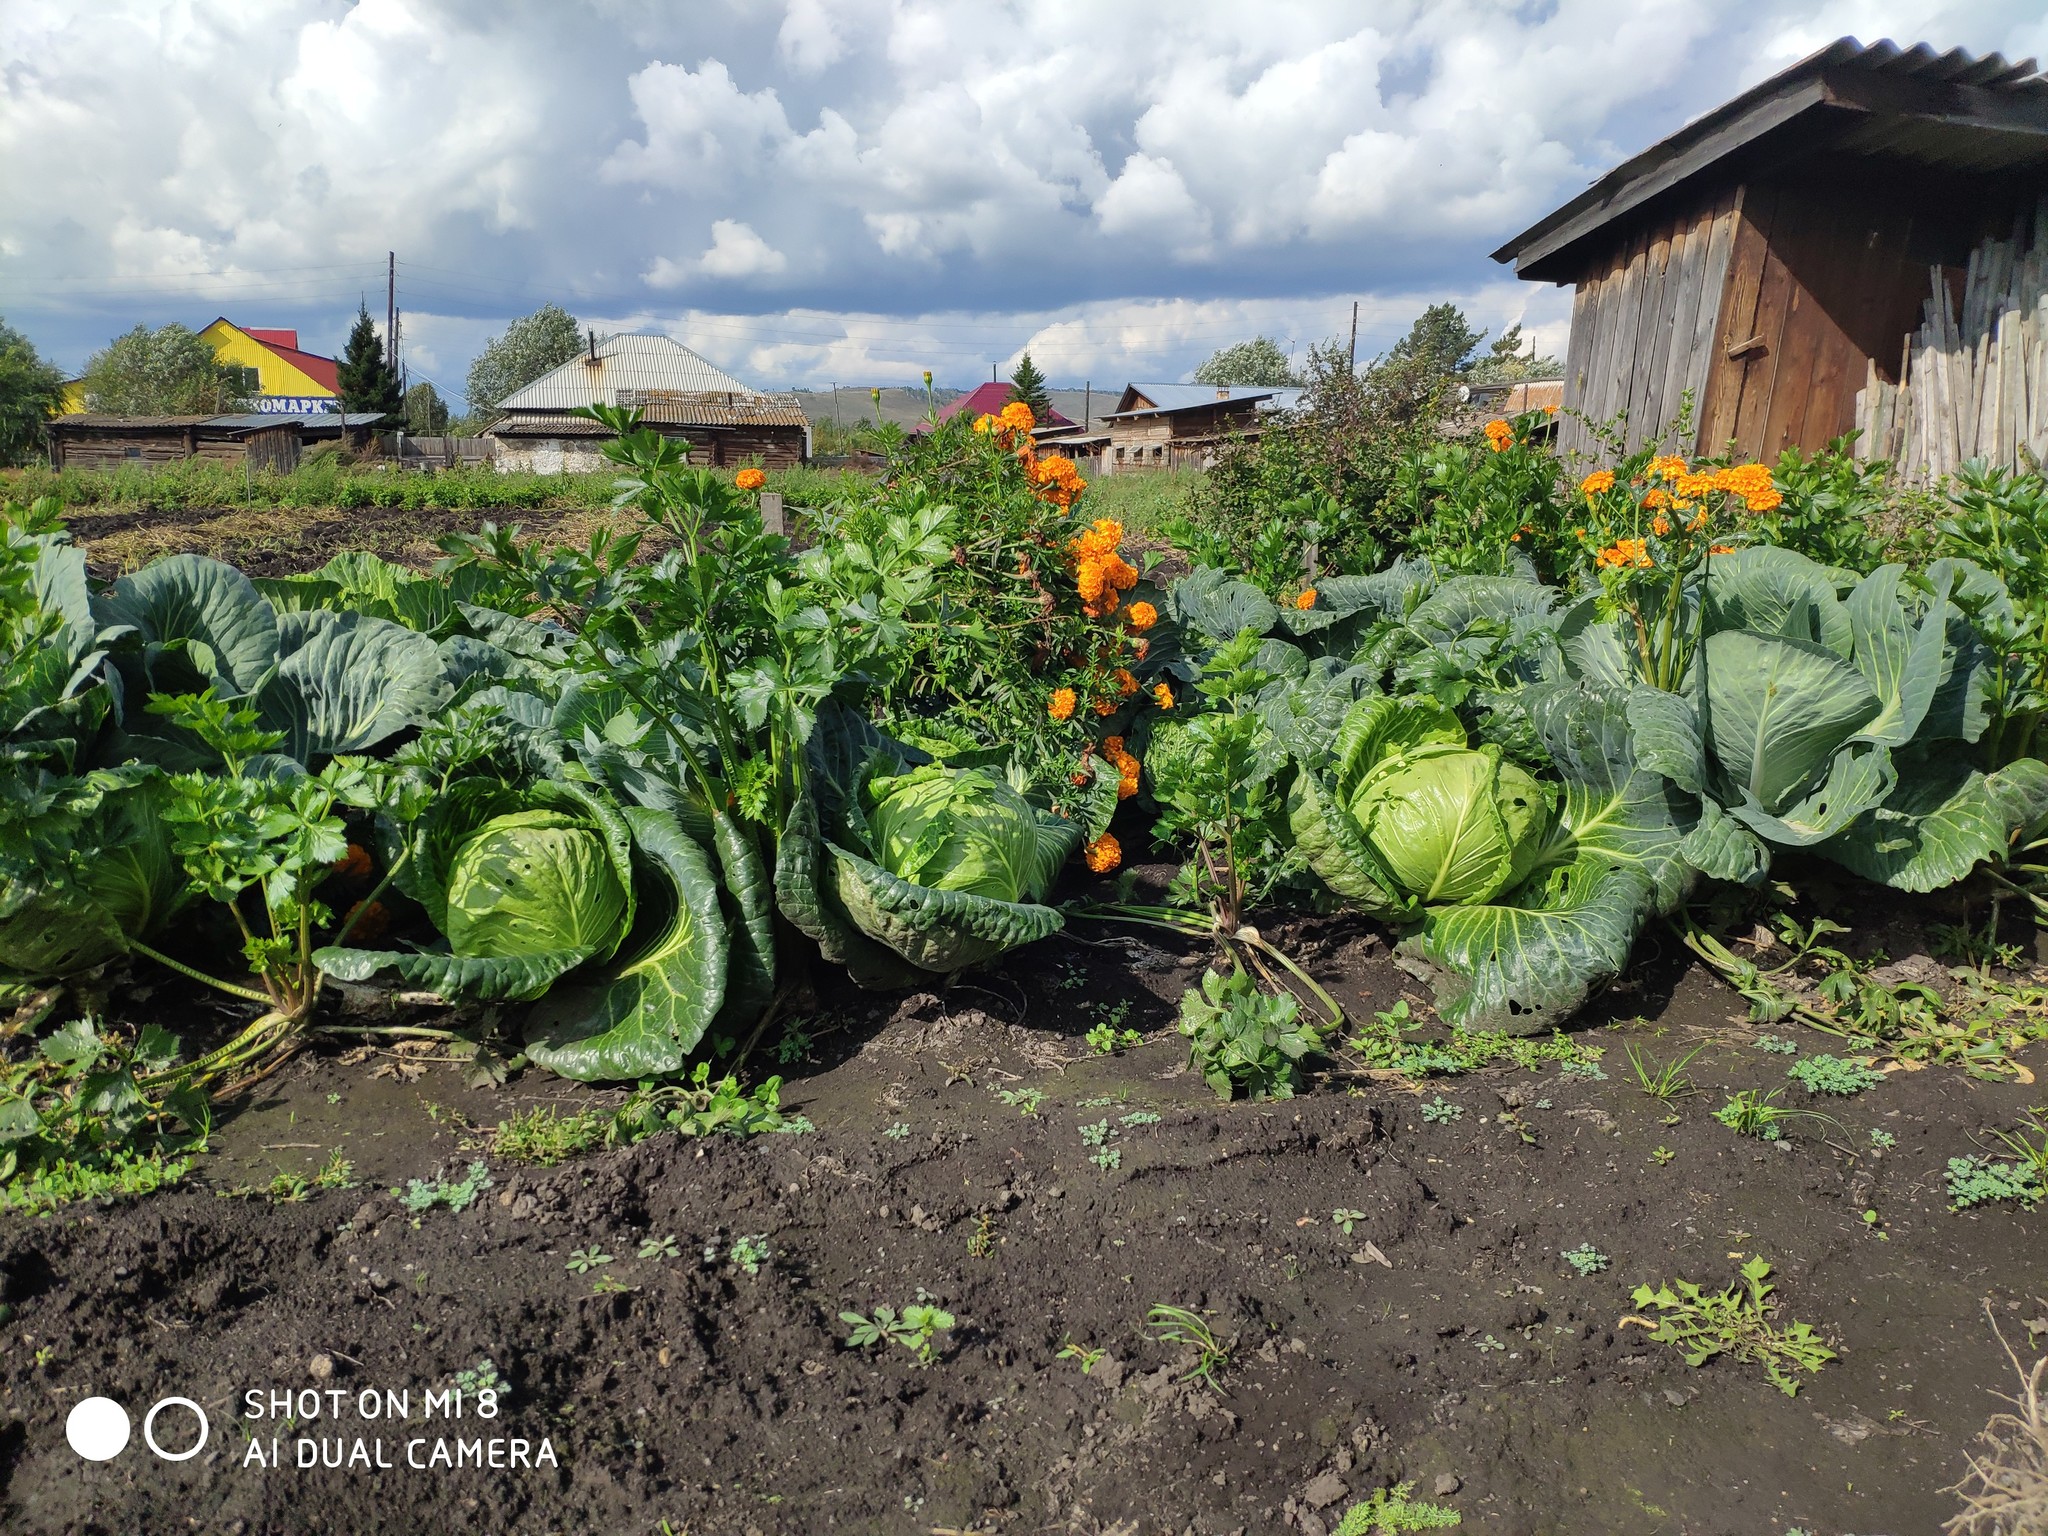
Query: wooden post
x=771, y=512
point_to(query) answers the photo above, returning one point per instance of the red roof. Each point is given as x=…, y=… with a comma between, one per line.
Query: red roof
x=289, y=340
x=989, y=399
x=324, y=371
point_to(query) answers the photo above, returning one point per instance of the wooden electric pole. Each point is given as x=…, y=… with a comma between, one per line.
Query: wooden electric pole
x=391, y=308
x=1354, y=335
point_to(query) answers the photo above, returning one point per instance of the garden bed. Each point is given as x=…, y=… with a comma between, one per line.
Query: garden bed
x=1443, y=1339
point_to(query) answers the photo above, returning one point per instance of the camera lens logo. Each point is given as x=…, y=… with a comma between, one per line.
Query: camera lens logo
x=99, y=1429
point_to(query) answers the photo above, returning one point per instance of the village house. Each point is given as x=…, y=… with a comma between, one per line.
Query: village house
x=1180, y=426
x=678, y=393
x=271, y=444
x=1764, y=265
x=273, y=373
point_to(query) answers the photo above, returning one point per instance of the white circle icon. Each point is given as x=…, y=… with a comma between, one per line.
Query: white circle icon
x=149, y=1426
x=97, y=1428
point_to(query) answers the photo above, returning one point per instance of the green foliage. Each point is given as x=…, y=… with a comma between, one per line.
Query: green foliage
x=1241, y=1039
x=1381, y=1045
x=1474, y=506
x=1586, y=1259
x=31, y=391
x=1830, y=1074
x=166, y=372
x=526, y=349
x=1663, y=1081
x=1028, y=385
x=1980, y=1180
x=122, y=1175
x=367, y=380
x=1392, y=1510
x=1837, y=508
x=1752, y=1112
x=1505, y=363
x=1738, y=1321
x=916, y=1330
x=426, y=413
x=546, y=1136
x=956, y=830
x=1440, y=342
x=702, y=1107
x=422, y=1195
x=1259, y=361
x=1441, y=1111
x=1191, y=1332
x=320, y=483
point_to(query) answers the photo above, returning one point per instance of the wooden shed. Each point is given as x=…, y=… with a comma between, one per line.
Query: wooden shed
x=1180, y=426
x=1769, y=258
x=85, y=440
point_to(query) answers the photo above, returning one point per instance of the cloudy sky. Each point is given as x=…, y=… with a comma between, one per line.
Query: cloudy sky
x=811, y=191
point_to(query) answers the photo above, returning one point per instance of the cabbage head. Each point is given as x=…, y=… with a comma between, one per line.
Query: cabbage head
x=956, y=830
x=1405, y=814
x=123, y=882
x=533, y=882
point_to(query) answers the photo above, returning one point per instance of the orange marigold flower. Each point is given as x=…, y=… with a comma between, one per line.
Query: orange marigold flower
x=1667, y=466
x=1694, y=484
x=1656, y=499
x=353, y=865
x=1550, y=410
x=1720, y=549
x=1090, y=577
x=1142, y=616
x=1017, y=417
x=1103, y=606
x=1104, y=854
x=750, y=479
x=1126, y=685
x=1499, y=434
x=1660, y=526
x=1138, y=650
x=984, y=423
x=1624, y=552
x=372, y=921
x=1598, y=481
x=1163, y=696
x=1307, y=600
x=1104, y=705
x=1062, y=705
x=1744, y=480
x=1763, y=501
x=1122, y=574
x=1111, y=745
x=1696, y=522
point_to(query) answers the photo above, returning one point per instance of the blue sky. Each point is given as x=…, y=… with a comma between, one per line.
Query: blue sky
x=849, y=191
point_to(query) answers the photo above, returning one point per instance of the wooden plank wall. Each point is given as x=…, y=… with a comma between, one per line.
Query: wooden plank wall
x=1823, y=286
x=1642, y=327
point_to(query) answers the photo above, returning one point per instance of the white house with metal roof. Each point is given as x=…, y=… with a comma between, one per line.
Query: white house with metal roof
x=677, y=392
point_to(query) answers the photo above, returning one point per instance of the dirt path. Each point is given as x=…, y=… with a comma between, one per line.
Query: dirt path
x=1441, y=1339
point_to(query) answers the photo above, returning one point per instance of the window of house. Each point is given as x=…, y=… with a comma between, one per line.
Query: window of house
x=244, y=381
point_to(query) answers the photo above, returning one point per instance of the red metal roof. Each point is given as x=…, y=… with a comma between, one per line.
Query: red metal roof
x=988, y=399
x=270, y=338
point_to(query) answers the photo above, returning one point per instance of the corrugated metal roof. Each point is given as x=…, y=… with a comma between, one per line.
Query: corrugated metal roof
x=633, y=361
x=250, y=421
x=1968, y=110
x=101, y=419
x=743, y=411
x=1182, y=397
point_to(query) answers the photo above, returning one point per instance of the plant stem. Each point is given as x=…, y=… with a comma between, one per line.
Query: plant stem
x=248, y=994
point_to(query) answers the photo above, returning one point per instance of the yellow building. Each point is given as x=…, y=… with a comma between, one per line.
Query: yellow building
x=278, y=378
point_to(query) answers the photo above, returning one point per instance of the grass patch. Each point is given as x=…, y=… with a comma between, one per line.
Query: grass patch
x=124, y=1176
x=1142, y=500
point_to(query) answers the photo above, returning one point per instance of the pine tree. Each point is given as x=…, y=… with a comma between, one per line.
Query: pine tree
x=367, y=382
x=1028, y=384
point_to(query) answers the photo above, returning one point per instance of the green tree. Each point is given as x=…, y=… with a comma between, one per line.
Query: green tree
x=1258, y=361
x=166, y=372
x=426, y=413
x=545, y=339
x=1028, y=384
x=1438, y=346
x=367, y=382
x=29, y=392
x=1505, y=362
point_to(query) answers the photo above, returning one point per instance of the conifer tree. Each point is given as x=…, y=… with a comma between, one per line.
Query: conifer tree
x=367, y=382
x=1028, y=384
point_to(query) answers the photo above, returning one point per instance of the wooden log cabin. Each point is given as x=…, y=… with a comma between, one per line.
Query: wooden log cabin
x=1181, y=426
x=1765, y=263
x=84, y=440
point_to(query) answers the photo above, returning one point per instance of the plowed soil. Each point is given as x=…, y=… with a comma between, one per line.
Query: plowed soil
x=1438, y=1338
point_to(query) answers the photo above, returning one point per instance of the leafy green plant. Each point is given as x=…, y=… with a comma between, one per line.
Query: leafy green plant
x=1105, y=1040
x=1663, y=1081
x=479, y=1378
x=1441, y=1111
x=1738, y=1321
x=1088, y=1358
x=658, y=1248
x=1830, y=1074
x=1241, y=1039
x=1752, y=1112
x=422, y=1195
x=1586, y=1259
x=1981, y=1180
x=1395, y=1509
x=916, y=1329
x=546, y=1136
x=1190, y=1331
x=750, y=1253
x=584, y=1260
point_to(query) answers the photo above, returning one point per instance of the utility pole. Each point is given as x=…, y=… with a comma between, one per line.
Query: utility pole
x=1354, y=336
x=391, y=307
x=1087, y=403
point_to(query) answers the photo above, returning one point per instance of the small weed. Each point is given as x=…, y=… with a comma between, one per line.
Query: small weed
x=1586, y=1259
x=1776, y=1046
x=583, y=1260
x=1109, y=1159
x=1069, y=978
x=1874, y=1224
x=126, y=1175
x=422, y=1195
x=1024, y=1100
x=1489, y=1345
x=1831, y=1074
x=481, y=1377
x=1589, y=1071
x=1089, y=1358
x=659, y=1248
x=544, y=1136
x=898, y=1131
x=1979, y=1180
x=915, y=1330
x=1737, y=1321
x=1095, y=1135
x=795, y=1043
x=982, y=1241
x=1661, y=1155
x=1138, y=1117
x=1391, y=1511
x=1177, y=1325
x=605, y=1285
x=1883, y=1139
x=1441, y=1111
x=1753, y=1113
x=1346, y=1219
x=750, y=1253
x=1666, y=1081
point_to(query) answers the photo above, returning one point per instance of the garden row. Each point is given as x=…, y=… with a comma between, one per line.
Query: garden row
x=639, y=799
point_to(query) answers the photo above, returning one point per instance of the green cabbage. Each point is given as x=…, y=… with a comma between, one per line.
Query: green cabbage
x=1452, y=825
x=532, y=882
x=955, y=830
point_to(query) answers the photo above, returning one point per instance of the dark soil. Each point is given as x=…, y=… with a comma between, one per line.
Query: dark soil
x=1442, y=1339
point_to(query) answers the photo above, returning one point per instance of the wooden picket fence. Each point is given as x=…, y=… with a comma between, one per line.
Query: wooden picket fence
x=1972, y=385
